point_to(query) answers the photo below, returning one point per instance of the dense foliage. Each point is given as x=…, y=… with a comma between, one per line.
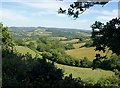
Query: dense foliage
x=111, y=63
x=107, y=35
x=7, y=42
x=23, y=71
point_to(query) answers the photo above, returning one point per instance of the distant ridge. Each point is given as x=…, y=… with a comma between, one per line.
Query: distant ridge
x=27, y=29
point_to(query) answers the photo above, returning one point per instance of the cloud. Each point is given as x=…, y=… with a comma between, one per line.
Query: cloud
x=11, y=15
x=27, y=0
x=43, y=13
x=13, y=18
x=40, y=4
x=52, y=0
x=45, y=5
x=37, y=0
x=103, y=15
x=108, y=15
x=61, y=15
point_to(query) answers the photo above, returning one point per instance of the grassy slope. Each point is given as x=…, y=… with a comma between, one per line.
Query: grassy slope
x=71, y=41
x=80, y=53
x=78, y=45
x=24, y=50
x=86, y=74
x=57, y=38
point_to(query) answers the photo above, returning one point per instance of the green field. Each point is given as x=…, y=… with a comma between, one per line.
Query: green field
x=80, y=53
x=86, y=74
x=34, y=41
x=71, y=41
x=57, y=38
x=78, y=45
x=24, y=50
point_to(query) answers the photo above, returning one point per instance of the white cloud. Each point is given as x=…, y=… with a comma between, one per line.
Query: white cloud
x=27, y=0
x=43, y=13
x=11, y=15
x=45, y=5
x=108, y=15
x=61, y=15
x=105, y=18
x=38, y=0
x=48, y=7
x=53, y=0
x=103, y=15
x=13, y=18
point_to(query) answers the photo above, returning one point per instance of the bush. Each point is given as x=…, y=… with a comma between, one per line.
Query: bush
x=111, y=82
x=112, y=63
x=27, y=72
x=85, y=62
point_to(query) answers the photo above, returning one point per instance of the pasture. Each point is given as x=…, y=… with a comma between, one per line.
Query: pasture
x=24, y=50
x=71, y=41
x=78, y=45
x=86, y=74
x=57, y=38
x=80, y=53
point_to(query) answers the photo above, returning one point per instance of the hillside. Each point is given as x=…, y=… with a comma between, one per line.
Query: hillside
x=24, y=50
x=86, y=74
x=80, y=53
x=43, y=31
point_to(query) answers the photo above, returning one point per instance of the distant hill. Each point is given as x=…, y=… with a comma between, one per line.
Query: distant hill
x=28, y=29
x=24, y=29
x=68, y=30
x=45, y=31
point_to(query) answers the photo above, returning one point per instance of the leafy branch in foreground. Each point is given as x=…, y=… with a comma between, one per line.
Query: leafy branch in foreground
x=107, y=35
x=80, y=6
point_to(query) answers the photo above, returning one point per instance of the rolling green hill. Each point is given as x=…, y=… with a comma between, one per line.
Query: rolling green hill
x=86, y=74
x=24, y=50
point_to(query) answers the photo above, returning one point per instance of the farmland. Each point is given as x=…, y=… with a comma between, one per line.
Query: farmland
x=57, y=38
x=78, y=45
x=86, y=74
x=71, y=41
x=80, y=53
x=24, y=50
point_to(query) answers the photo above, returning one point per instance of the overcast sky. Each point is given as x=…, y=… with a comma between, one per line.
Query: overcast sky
x=38, y=13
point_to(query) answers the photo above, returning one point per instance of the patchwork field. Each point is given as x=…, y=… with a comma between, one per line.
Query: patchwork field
x=86, y=74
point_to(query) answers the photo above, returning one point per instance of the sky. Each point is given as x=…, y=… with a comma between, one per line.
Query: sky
x=34, y=13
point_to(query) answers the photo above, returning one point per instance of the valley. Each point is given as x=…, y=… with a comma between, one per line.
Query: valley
x=73, y=47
